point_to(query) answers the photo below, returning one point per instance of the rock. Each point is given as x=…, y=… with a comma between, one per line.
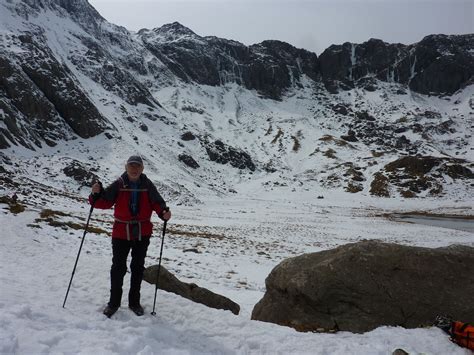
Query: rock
x=80, y=173
x=399, y=352
x=444, y=64
x=193, y=292
x=341, y=109
x=457, y=171
x=270, y=67
x=361, y=286
x=35, y=107
x=188, y=136
x=438, y=64
x=364, y=115
x=192, y=250
x=402, y=142
x=188, y=160
x=222, y=153
x=413, y=165
x=350, y=138
x=420, y=173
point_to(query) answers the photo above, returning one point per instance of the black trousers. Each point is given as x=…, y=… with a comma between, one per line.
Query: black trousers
x=120, y=250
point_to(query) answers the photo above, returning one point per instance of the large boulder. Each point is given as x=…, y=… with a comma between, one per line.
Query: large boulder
x=169, y=282
x=361, y=286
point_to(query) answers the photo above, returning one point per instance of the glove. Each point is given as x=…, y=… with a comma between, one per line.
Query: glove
x=165, y=214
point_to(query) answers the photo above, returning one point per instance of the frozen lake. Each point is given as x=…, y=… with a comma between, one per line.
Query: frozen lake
x=458, y=223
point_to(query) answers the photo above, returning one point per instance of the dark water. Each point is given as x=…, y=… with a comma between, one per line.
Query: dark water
x=458, y=223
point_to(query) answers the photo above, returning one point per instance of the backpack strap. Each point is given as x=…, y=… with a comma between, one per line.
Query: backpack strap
x=132, y=222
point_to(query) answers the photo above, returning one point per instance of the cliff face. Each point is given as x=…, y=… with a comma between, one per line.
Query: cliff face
x=337, y=120
x=49, y=46
x=269, y=67
x=438, y=64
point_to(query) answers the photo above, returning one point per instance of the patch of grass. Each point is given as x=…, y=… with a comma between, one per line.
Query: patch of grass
x=13, y=206
x=330, y=153
x=76, y=226
x=47, y=213
x=195, y=234
x=296, y=138
x=429, y=214
x=48, y=216
x=5, y=199
x=16, y=208
x=407, y=194
x=353, y=188
x=277, y=136
x=339, y=142
x=296, y=144
x=326, y=138
x=376, y=154
x=379, y=186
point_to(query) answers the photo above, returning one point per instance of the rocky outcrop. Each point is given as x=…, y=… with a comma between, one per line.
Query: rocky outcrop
x=98, y=65
x=188, y=160
x=361, y=286
x=414, y=175
x=224, y=154
x=438, y=64
x=342, y=66
x=442, y=64
x=81, y=173
x=270, y=67
x=168, y=282
x=42, y=101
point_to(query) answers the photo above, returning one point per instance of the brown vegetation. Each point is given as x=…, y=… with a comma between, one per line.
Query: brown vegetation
x=379, y=186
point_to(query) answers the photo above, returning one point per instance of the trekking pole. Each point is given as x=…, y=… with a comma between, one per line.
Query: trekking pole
x=153, y=313
x=94, y=198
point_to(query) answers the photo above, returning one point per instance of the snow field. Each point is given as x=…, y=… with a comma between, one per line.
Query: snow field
x=36, y=265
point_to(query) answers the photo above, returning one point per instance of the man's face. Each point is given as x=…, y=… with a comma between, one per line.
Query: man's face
x=134, y=171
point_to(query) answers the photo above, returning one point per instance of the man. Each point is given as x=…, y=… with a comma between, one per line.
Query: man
x=135, y=197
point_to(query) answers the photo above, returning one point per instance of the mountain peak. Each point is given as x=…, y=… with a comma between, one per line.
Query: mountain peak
x=79, y=11
x=175, y=29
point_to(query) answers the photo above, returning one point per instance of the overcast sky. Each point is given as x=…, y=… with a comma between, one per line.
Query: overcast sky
x=310, y=24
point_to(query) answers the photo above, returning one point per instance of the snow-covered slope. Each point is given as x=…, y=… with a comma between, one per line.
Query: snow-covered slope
x=236, y=241
x=68, y=75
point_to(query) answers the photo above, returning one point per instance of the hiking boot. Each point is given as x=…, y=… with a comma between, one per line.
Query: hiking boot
x=109, y=311
x=137, y=309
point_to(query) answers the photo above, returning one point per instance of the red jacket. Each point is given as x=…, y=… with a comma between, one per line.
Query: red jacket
x=127, y=225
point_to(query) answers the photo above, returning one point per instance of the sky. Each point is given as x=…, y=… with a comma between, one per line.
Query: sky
x=313, y=25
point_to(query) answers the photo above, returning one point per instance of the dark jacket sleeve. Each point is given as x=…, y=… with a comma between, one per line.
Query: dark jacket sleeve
x=107, y=196
x=157, y=202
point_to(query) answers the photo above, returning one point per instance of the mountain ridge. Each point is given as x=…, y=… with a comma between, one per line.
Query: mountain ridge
x=268, y=112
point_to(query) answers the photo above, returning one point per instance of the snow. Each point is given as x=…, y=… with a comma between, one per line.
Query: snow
x=412, y=69
x=353, y=59
x=36, y=265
